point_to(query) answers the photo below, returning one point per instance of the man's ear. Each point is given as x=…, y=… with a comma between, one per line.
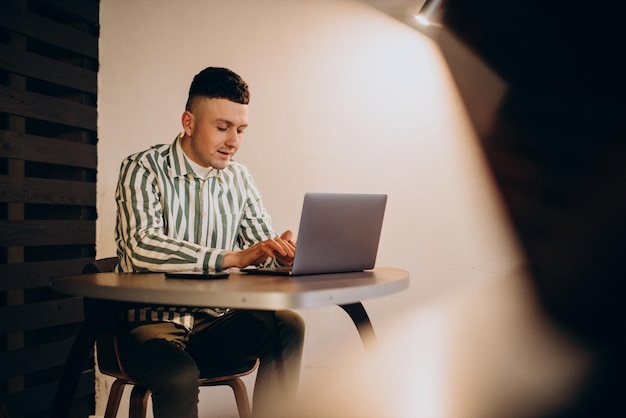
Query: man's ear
x=187, y=121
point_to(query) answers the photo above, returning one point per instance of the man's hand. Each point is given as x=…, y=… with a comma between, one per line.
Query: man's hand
x=282, y=248
x=287, y=260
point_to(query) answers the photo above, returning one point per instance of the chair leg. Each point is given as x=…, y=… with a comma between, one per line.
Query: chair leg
x=140, y=394
x=139, y=402
x=115, y=397
x=241, y=396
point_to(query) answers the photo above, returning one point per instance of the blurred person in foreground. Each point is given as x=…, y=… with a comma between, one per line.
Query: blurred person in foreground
x=544, y=85
x=557, y=147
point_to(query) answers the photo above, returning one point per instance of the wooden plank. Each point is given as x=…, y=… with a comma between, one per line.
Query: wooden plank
x=84, y=9
x=33, y=359
x=46, y=191
x=19, y=318
x=56, y=34
x=18, y=20
x=25, y=147
x=51, y=109
x=40, y=398
x=32, y=275
x=37, y=232
x=43, y=68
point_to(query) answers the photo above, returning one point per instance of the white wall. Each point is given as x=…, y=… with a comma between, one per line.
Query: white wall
x=344, y=98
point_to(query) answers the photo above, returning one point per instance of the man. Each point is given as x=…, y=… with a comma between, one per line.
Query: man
x=188, y=206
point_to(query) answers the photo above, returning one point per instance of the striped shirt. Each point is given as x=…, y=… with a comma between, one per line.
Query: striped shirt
x=171, y=219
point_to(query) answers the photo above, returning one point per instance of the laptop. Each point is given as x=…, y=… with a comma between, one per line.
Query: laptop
x=338, y=233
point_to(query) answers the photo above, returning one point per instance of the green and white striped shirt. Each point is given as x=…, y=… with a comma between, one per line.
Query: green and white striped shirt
x=170, y=219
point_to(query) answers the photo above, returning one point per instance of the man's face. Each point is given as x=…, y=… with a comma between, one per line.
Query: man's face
x=213, y=131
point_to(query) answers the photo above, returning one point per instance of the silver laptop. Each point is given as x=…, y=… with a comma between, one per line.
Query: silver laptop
x=338, y=233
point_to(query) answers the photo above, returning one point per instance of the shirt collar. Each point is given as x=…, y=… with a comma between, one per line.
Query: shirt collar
x=181, y=165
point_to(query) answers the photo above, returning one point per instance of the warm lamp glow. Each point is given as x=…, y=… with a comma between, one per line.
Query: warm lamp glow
x=422, y=20
x=428, y=13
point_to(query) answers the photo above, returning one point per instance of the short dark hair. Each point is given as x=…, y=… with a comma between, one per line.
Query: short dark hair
x=218, y=83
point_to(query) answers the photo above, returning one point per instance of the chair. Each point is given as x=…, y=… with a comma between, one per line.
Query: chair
x=107, y=349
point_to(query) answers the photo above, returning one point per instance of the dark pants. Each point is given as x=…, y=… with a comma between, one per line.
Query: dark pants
x=168, y=358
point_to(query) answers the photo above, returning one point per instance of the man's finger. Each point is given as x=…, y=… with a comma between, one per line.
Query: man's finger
x=287, y=235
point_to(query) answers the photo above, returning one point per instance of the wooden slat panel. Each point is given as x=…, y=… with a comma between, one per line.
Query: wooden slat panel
x=37, y=233
x=46, y=37
x=49, y=31
x=33, y=316
x=51, y=109
x=46, y=191
x=88, y=10
x=42, y=68
x=40, y=398
x=33, y=275
x=33, y=359
x=47, y=150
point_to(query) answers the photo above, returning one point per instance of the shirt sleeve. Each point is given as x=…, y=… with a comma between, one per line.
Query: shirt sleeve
x=142, y=242
x=256, y=224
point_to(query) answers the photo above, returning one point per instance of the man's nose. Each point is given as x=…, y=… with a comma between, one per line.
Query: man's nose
x=233, y=139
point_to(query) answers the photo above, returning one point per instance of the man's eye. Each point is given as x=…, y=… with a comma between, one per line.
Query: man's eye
x=240, y=131
x=222, y=128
